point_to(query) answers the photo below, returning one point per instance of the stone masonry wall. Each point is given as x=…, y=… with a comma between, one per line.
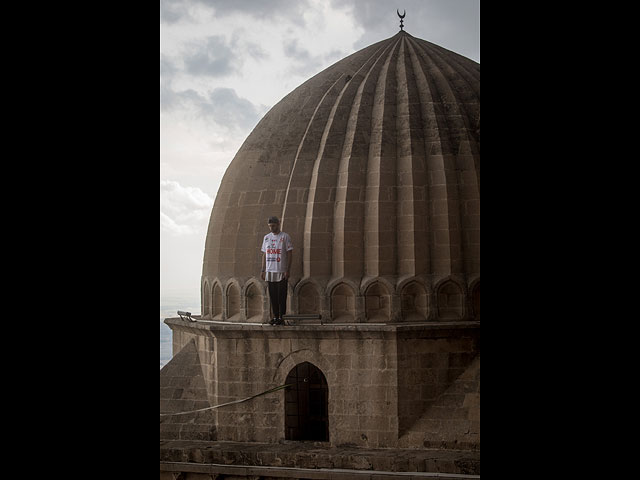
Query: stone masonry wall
x=359, y=368
x=183, y=389
x=439, y=389
x=389, y=386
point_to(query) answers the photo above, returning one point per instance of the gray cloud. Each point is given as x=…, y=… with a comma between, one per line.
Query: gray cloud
x=167, y=68
x=215, y=58
x=222, y=106
x=305, y=63
x=451, y=24
x=258, y=8
x=291, y=49
x=171, y=100
x=256, y=51
x=226, y=108
x=172, y=11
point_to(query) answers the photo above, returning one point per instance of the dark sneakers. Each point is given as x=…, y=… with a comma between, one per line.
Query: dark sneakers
x=276, y=321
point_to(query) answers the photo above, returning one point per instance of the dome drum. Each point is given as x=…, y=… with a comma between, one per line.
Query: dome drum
x=342, y=301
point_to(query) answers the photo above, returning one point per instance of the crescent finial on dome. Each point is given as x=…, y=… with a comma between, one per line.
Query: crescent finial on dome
x=404, y=12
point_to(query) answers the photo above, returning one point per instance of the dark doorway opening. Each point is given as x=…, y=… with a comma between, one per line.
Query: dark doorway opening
x=307, y=404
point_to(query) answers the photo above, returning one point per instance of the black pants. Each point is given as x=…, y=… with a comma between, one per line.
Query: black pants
x=278, y=297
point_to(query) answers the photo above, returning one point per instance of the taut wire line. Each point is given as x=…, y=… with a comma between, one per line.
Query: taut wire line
x=229, y=403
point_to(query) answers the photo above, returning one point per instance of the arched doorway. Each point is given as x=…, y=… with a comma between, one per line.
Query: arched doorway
x=307, y=404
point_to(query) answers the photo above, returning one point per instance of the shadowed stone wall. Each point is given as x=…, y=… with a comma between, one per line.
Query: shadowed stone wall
x=439, y=389
x=182, y=389
x=386, y=383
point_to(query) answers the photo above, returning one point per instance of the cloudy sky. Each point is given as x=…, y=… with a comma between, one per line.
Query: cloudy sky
x=225, y=63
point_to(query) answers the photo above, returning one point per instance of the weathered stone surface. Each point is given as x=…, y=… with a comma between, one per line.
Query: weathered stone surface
x=373, y=165
x=389, y=385
x=353, y=460
x=183, y=389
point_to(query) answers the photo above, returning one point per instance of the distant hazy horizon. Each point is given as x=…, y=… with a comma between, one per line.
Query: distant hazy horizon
x=170, y=303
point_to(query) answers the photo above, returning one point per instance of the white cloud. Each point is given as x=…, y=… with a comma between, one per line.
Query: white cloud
x=183, y=210
x=213, y=57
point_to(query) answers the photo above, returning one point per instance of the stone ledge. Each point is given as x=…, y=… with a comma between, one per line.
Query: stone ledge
x=426, y=328
x=214, y=469
x=317, y=458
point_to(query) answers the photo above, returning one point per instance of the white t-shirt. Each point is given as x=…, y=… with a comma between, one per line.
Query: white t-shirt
x=274, y=246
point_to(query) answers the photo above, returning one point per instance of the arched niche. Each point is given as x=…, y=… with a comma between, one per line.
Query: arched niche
x=377, y=303
x=414, y=302
x=306, y=404
x=233, y=302
x=450, y=301
x=206, y=300
x=343, y=304
x=254, y=300
x=216, y=302
x=308, y=299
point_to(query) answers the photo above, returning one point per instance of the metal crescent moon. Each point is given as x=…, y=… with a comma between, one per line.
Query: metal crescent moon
x=404, y=12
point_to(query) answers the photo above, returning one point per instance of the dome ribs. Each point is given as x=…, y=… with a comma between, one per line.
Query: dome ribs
x=446, y=248
x=413, y=250
x=465, y=68
x=374, y=167
x=380, y=194
x=348, y=249
x=465, y=90
x=318, y=226
x=458, y=100
x=295, y=200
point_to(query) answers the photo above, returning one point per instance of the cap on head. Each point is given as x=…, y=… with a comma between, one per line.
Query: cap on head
x=273, y=220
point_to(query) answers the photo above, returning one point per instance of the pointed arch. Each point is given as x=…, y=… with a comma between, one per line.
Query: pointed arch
x=206, y=299
x=254, y=301
x=343, y=303
x=450, y=300
x=377, y=302
x=308, y=295
x=233, y=301
x=306, y=404
x=216, y=301
x=414, y=301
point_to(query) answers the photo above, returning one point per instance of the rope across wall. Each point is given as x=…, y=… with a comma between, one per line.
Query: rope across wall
x=275, y=389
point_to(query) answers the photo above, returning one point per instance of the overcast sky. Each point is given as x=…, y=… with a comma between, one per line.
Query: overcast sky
x=225, y=63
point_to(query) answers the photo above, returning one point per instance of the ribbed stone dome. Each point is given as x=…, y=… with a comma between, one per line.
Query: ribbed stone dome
x=373, y=166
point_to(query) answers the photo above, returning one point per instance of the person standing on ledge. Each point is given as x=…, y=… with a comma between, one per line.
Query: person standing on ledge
x=277, y=252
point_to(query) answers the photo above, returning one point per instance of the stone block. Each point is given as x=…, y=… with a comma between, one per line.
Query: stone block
x=373, y=423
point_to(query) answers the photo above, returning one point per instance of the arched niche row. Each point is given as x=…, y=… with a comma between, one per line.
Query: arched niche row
x=414, y=302
x=450, y=301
